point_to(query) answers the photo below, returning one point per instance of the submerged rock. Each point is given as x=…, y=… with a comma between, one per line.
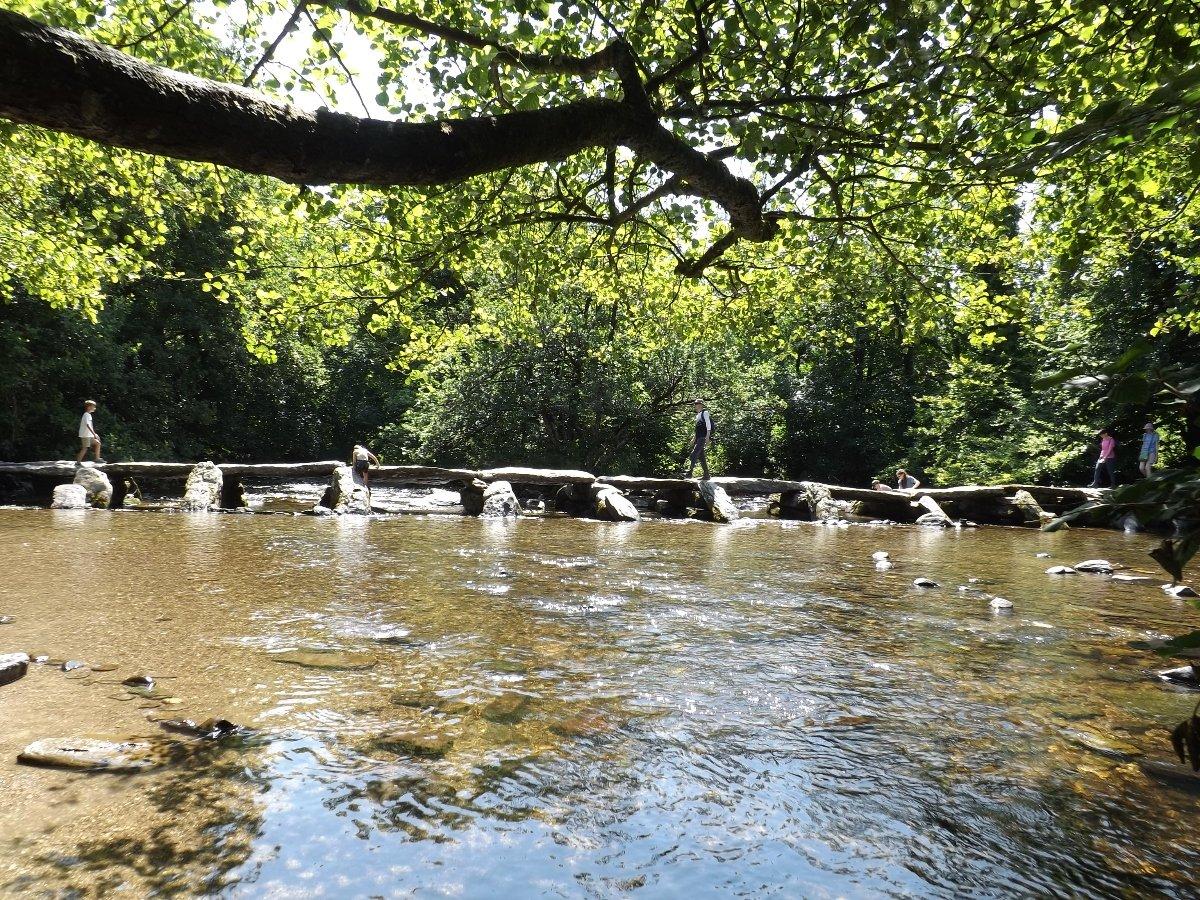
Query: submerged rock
x=1171, y=773
x=720, y=507
x=13, y=667
x=69, y=496
x=326, y=659
x=925, y=583
x=1179, y=591
x=1000, y=603
x=935, y=520
x=1061, y=570
x=1101, y=566
x=1121, y=576
x=7, y=620
x=504, y=708
x=93, y=755
x=96, y=484
x=416, y=741
x=883, y=565
x=820, y=502
x=1098, y=742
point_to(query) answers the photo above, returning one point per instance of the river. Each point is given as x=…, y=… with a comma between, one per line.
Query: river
x=660, y=709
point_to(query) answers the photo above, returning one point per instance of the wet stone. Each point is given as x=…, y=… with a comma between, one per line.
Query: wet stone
x=145, y=682
x=1060, y=570
x=13, y=667
x=1187, y=677
x=925, y=583
x=347, y=660
x=1100, y=566
x=72, y=665
x=1098, y=742
x=1171, y=774
x=1119, y=576
x=209, y=729
x=1179, y=591
x=416, y=742
x=7, y=620
x=1000, y=603
x=880, y=555
x=504, y=708
x=90, y=755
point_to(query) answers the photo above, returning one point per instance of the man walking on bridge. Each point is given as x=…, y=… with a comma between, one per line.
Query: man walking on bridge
x=704, y=433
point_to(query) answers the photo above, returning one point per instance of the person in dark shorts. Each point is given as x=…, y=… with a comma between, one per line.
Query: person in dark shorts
x=704, y=433
x=362, y=459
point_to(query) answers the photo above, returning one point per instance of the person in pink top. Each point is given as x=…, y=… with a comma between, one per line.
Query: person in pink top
x=1107, y=461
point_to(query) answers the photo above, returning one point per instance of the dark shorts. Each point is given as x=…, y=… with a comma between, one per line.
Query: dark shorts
x=361, y=466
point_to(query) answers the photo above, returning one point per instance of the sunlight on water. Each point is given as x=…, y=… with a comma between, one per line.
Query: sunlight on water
x=469, y=708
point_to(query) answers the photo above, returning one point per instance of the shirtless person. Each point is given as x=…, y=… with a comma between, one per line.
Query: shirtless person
x=362, y=459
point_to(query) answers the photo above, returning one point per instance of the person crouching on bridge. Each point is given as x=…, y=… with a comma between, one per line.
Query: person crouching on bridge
x=704, y=434
x=362, y=459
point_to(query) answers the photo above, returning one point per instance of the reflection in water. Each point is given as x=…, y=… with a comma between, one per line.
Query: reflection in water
x=587, y=708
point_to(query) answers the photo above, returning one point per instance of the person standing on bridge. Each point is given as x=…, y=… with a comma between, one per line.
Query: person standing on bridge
x=362, y=459
x=88, y=438
x=703, y=437
x=1107, y=462
x=1148, y=457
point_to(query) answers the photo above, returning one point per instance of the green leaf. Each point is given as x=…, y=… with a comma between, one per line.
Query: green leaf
x=1134, y=390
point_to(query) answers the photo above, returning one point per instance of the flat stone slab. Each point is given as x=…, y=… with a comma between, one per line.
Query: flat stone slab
x=326, y=659
x=423, y=476
x=519, y=475
x=91, y=755
x=13, y=667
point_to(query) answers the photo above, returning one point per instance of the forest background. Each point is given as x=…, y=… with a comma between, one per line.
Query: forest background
x=913, y=318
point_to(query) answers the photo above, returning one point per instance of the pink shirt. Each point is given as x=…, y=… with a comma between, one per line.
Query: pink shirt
x=1108, y=447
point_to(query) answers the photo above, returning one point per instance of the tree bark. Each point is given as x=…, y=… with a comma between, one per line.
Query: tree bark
x=56, y=79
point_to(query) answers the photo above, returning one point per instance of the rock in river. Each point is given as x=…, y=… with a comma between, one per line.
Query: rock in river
x=925, y=583
x=1000, y=603
x=69, y=496
x=7, y=620
x=13, y=666
x=880, y=555
x=416, y=741
x=92, y=755
x=1102, y=566
x=209, y=729
x=1184, y=676
x=719, y=505
x=499, y=501
x=1098, y=742
x=326, y=659
x=203, y=488
x=96, y=484
x=1179, y=591
x=612, y=505
x=1060, y=570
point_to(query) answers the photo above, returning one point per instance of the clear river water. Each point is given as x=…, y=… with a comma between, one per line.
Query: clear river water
x=566, y=708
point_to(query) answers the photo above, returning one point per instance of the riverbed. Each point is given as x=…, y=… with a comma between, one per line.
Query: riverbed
x=658, y=709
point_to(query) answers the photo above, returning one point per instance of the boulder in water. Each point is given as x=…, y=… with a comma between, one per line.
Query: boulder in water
x=820, y=502
x=202, y=491
x=883, y=565
x=92, y=755
x=720, y=507
x=1000, y=603
x=1179, y=591
x=880, y=555
x=925, y=583
x=505, y=707
x=1030, y=509
x=935, y=520
x=13, y=667
x=346, y=493
x=69, y=496
x=96, y=484
x=415, y=740
x=1100, y=566
x=1098, y=742
x=209, y=729
x=499, y=501
x=1060, y=570
x=613, y=506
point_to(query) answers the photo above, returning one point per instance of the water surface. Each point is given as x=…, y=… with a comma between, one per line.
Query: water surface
x=660, y=709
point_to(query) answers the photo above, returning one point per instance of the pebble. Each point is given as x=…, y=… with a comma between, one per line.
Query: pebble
x=1122, y=577
x=883, y=565
x=925, y=583
x=72, y=664
x=139, y=681
x=7, y=620
x=1060, y=570
x=1042, y=555
x=879, y=555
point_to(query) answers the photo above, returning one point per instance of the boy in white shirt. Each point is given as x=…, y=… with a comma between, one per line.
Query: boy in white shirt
x=88, y=439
